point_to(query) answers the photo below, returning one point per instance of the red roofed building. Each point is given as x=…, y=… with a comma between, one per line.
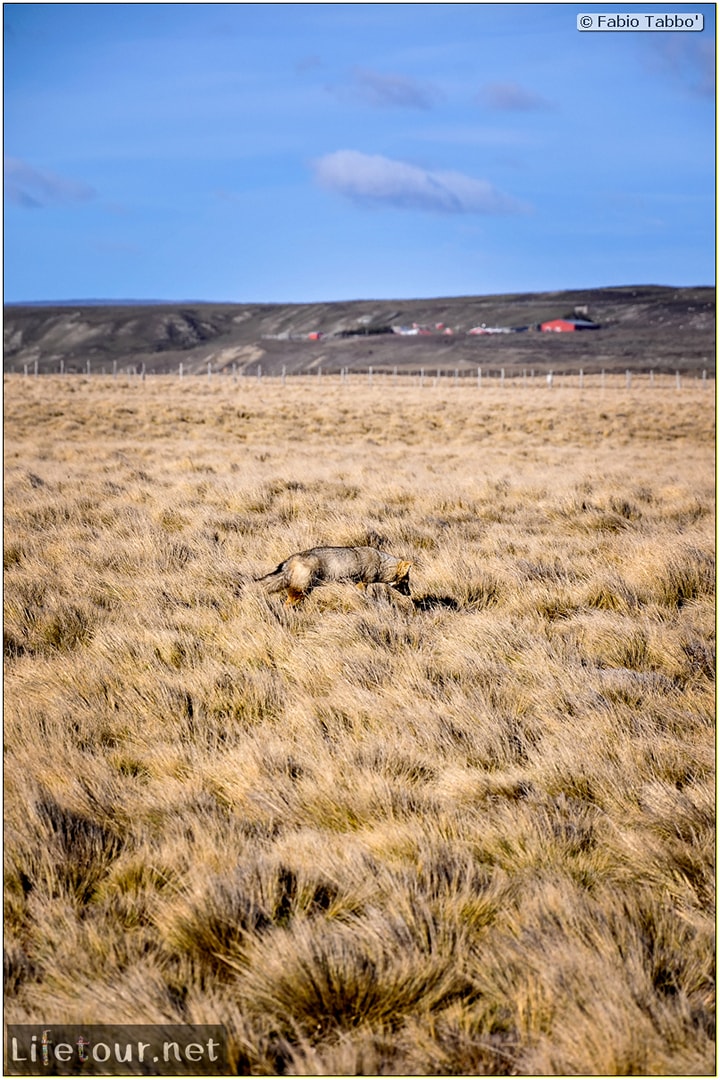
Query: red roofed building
x=558, y=325
x=564, y=325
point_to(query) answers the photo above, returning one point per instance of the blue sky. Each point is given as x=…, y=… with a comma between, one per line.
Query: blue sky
x=308, y=152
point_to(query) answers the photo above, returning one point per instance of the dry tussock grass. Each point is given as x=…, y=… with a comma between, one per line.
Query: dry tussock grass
x=467, y=833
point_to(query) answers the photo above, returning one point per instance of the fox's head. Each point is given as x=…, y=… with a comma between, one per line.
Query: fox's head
x=402, y=577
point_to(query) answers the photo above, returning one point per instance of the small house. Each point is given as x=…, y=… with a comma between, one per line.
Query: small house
x=562, y=326
x=558, y=326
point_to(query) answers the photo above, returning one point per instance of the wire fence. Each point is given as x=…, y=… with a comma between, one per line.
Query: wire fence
x=478, y=377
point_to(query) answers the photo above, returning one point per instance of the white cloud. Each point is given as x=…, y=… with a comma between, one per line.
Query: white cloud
x=376, y=180
x=688, y=59
x=511, y=97
x=384, y=90
x=399, y=91
x=33, y=188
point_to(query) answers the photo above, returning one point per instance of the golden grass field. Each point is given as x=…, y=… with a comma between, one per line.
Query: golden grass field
x=466, y=833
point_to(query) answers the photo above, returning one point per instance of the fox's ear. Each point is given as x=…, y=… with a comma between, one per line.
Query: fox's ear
x=403, y=568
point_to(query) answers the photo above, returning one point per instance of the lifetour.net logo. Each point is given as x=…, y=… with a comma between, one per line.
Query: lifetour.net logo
x=115, y=1050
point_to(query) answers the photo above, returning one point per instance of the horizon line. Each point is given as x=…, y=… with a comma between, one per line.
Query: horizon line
x=156, y=302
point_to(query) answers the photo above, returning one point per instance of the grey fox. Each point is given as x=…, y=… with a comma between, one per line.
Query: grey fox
x=364, y=565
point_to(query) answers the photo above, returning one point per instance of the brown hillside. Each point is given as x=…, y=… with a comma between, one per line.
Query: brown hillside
x=642, y=328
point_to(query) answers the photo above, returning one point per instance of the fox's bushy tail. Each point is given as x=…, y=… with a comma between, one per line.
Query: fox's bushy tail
x=276, y=579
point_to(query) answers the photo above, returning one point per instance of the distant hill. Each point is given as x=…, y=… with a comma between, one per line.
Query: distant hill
x=642, y=327
x=94, y=302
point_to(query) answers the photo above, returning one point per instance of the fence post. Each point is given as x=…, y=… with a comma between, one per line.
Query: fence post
x=652, y=377
x=602, y=379
x=283, y=374
x=142, y=373
x=549, y=380
x=479, y=377
x=677, y=380
x=395, y=376
x=422, y=376
x=628, y=379
x=114, y=369
x=25, y=370
x=455, y=380
x=180, y=370
x=209, y=367
x=35, y=372
x=581, y=378
x=704, y=379
x=62, y=367
x=369, y=376
x=502, y=376
x=259, y=372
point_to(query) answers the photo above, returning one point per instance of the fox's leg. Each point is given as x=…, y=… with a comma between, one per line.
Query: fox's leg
x=294, y=597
